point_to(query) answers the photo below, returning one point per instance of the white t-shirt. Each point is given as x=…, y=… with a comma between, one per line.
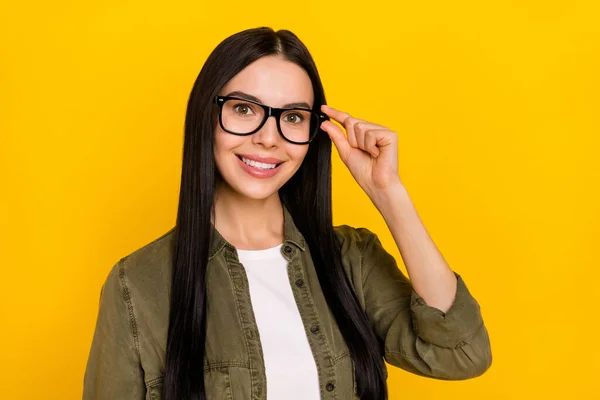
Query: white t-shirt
x=290, y=366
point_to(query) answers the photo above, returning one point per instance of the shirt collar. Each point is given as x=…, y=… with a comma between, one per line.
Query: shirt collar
x=291, y=233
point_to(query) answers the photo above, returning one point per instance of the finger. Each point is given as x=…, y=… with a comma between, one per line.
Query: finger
x=350, y=132
x=339, y=139
x=372, y=138
x=339, y=116
x=371, y=142
x=360, y=127
x=345, y=120
x=350, y=123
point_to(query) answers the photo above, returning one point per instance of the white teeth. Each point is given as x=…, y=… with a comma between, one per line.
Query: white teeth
x=257, y=164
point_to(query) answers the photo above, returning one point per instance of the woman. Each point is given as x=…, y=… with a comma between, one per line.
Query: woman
x=254, y=294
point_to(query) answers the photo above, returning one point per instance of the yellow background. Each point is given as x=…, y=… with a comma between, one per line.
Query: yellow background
x=495, y=104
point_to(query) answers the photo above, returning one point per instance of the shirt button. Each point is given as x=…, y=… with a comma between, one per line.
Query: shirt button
x=330, y=386
x=287, y=249
x=299, y=283
x=419, y=301
x=239, y=284
x=314, y=329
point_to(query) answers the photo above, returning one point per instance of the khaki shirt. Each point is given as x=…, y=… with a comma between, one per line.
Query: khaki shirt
x=127, y=355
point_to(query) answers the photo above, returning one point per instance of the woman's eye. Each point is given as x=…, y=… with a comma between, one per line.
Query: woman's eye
x=243, y=109
x=294, y=118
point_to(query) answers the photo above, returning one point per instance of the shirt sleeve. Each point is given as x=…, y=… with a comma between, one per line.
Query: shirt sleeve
x=417, y=337
x=113, y=369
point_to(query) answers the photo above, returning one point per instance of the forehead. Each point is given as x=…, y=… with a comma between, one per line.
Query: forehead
x=274, y=80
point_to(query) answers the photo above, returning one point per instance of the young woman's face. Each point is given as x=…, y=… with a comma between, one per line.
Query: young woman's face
x=276, y=82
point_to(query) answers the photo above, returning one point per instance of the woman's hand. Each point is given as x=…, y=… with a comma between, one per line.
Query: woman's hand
x=370, y=151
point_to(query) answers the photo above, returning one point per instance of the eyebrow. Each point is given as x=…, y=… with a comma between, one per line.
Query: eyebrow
x=247, y=96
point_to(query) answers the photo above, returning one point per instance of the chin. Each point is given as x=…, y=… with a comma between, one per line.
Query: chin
x=256, y=191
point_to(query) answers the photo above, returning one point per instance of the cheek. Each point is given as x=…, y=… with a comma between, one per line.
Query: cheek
x=297, y=156
x=224, y=143
x=297, y=153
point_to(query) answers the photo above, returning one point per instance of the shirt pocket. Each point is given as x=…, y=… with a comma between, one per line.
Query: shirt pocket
x=155, y=389
x=344, y=372
x=240, y=383
x=345, y=385
x=217, y=385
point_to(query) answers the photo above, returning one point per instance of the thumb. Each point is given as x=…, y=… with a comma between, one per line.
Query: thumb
x=338, y=138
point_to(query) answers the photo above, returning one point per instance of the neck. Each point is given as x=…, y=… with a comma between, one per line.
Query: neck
x=248, y=224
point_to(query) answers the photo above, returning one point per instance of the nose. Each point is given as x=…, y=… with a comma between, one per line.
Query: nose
x=267, y=135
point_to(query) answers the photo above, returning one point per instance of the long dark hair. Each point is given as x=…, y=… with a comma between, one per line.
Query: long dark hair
x=307, y=193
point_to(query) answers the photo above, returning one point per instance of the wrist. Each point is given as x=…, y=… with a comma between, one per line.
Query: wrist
x=390, y=196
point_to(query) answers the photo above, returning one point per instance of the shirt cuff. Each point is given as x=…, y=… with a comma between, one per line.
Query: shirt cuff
x=452, y=329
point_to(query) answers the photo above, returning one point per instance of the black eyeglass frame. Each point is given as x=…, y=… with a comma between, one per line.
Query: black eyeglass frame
x=269, y=111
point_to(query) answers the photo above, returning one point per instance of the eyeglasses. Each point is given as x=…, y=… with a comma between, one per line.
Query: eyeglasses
x=244, y=117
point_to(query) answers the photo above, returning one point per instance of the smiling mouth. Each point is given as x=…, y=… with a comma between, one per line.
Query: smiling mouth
x=259, y=165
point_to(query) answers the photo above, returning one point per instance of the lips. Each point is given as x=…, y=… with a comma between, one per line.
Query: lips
x=261, y=159
x=259, y=172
